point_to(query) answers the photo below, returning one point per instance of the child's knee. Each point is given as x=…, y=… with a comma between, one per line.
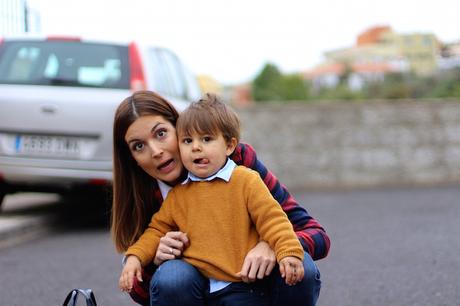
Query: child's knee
x=175, y=276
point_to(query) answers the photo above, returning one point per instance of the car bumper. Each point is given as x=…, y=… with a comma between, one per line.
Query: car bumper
x=66, y=173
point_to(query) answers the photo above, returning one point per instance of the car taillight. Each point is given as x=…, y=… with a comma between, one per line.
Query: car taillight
x=98, y=182
x=137, y=79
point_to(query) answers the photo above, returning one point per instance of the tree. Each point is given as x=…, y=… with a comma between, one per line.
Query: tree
x=272, y=85
x=293, y=88
x=267, y=85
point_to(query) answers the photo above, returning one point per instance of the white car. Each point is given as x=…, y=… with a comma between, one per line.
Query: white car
x=58, y=96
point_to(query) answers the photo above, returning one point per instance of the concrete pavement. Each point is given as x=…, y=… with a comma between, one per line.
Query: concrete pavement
x=25, y=216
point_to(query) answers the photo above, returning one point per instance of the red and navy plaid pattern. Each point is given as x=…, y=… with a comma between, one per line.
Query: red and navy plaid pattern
x=311, y=234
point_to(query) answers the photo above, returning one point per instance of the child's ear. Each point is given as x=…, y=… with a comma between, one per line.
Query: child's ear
x=231, y=145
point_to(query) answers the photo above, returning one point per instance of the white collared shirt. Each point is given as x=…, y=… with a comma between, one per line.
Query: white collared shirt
x=224, y=173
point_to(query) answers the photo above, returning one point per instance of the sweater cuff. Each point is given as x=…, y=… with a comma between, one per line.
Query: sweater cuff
x=139, y=253
x=299, y=254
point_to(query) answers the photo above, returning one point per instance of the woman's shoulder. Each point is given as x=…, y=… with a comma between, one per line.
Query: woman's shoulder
x=244, y=154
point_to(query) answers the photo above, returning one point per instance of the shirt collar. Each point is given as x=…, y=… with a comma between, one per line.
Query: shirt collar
x=224, y=173
x=164, y=188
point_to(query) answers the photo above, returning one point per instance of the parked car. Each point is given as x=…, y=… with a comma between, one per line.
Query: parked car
x=58, y=97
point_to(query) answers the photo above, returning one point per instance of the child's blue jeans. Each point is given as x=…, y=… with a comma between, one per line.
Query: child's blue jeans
x=177, y=283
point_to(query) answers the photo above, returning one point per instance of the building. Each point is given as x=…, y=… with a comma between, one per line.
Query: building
x=377, y=52
x=420, y=50
x=16, y=18
x=449, y=58
x=372, y=35
x=360, y=72
x=209, y=84
x=382, y=44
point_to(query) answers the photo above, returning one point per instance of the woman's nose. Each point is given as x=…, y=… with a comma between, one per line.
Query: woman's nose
x=155, y=150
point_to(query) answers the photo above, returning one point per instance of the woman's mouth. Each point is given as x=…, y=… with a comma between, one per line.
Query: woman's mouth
x=167, y=166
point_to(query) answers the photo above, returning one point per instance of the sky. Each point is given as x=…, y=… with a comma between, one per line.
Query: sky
x=232, y=40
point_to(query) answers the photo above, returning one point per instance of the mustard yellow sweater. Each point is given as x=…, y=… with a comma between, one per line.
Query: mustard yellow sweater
x=224, y=221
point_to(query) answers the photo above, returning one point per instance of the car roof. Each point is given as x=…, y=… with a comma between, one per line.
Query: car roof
x=41, y=37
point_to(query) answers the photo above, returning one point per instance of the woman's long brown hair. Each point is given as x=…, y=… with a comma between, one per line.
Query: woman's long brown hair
x=133, y=189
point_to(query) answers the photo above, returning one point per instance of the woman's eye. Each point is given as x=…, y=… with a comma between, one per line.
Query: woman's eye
x=162, y=133
x=138, y=146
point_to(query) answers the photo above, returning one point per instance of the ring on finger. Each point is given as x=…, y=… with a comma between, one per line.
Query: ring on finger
x=171, y=251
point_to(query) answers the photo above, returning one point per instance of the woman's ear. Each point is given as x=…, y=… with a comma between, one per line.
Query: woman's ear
x=231, y=145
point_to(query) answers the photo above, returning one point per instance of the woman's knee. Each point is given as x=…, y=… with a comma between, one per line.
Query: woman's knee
x=312, y=276
x=303, y=293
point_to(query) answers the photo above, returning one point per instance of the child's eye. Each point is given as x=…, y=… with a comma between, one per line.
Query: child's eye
x=187, y=140
x=207, y=138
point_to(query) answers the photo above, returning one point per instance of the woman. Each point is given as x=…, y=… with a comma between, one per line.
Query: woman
x=146, y=164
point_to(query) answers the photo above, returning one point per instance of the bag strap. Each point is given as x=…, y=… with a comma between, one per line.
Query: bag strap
x=73, y=297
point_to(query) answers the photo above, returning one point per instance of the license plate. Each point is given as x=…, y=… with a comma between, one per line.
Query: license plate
x=40, y=145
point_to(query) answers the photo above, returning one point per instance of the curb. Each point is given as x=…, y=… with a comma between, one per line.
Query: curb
x=17, y=229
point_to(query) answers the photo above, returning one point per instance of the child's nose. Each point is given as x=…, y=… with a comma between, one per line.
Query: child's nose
x=196, y=146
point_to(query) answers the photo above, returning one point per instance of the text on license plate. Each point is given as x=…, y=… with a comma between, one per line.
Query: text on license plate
x=47, y=145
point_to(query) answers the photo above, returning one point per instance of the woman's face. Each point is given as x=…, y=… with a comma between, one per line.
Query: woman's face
x=152, y=142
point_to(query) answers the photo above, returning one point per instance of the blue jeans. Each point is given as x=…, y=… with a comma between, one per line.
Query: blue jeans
x=178, y=283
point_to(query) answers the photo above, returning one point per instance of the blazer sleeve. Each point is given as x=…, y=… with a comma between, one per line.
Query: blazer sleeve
x=311, y=234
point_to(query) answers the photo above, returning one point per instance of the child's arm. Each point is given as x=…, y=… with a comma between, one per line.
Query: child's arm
x=131, y=269
x=291, y=269
x=311, y=234
x=161, y=223
x=269, y=219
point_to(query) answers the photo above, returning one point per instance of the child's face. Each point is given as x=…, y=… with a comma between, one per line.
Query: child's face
x=204, y=155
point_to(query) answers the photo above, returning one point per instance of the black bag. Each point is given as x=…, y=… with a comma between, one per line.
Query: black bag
x=72, y=297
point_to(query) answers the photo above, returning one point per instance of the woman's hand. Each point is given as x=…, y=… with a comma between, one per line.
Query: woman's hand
x=171, y=246
x=131, y=269
x=291, y=269
x=258, y=263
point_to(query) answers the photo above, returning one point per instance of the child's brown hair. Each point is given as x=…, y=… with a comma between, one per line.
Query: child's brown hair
x=210, y=116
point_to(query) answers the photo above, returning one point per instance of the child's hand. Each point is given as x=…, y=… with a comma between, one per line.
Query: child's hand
x=131, y=269
x=291, y=269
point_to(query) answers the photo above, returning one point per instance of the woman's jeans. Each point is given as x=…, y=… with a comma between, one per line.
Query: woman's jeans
x=178, y=283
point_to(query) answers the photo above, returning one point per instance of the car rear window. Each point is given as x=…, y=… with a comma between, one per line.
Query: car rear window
x=64, y=63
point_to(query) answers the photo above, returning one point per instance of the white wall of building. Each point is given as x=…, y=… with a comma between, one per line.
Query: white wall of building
x=15, y=18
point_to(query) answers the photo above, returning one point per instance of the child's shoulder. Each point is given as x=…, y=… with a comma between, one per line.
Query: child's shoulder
x=243, y=171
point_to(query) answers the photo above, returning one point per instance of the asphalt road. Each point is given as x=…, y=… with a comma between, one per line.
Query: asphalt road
x=390, y=246
x=395, y=246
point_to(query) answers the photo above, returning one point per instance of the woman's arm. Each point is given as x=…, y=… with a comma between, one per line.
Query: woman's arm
x=311, y=234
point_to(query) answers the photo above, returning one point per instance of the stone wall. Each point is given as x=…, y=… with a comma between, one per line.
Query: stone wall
x=348, y=144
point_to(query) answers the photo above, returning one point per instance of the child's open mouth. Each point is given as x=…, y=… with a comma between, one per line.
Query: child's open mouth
x=201, y=161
